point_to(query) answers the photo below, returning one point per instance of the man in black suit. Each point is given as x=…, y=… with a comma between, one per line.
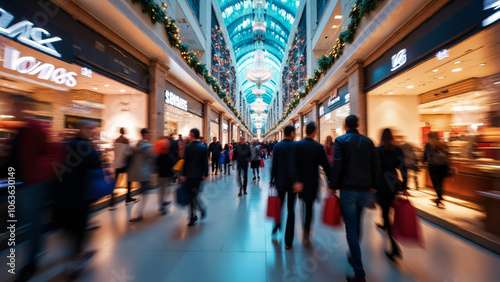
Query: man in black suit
x=242, y=154
x=283, y=175
x=355, y=170
x=215, y=148
x=195, y=170
x=309, y=155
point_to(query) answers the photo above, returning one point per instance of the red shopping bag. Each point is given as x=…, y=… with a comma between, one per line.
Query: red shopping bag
x=406, y=228
x=274, y=205
x=261, y=163
x=331, y=212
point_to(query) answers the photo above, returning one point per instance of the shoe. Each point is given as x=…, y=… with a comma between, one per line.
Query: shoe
x=239, y=194
x=258, y=177
x=254, y=178
x=131, y=201
x=276, y=227
x=307, y=240
x=203, y=213
x=136, y=219
x=354, y=279
x=112, y=207
x=288, y=247
x=26, y=272
x=381, y=226
x=163, y=211
x=192, y=220
x=245, y=192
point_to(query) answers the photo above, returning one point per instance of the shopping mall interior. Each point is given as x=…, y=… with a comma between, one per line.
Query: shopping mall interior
x=141, y=74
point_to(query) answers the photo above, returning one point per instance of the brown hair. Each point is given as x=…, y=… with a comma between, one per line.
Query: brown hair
x=387, y=141
x=433, y=139
x=329, y=141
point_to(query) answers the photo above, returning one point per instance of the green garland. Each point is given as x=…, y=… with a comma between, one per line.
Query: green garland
x=157, y=15
x=361, y=9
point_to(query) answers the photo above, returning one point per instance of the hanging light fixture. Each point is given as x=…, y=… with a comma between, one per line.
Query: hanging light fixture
x=258, y=91
x=258, y=106
x=259, y=73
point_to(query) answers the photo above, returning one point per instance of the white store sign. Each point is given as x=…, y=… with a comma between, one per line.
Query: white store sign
x=32, y=66
x=398, y=60
x=174, y=100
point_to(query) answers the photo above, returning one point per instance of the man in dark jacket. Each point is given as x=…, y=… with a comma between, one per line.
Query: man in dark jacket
x=215, y=148
x=309, y=155
x=195, y=170
x=355, y=171
x=283, y=176
x=271, y=148
x=242, y=154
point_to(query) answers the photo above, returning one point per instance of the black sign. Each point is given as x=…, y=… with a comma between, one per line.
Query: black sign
x=45, y=27
x=193, y=106
x=455, y=22
x=334, y=101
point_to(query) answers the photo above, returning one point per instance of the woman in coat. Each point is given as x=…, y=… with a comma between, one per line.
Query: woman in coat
x=255, y=163
x=391, y=158
x=436, y=154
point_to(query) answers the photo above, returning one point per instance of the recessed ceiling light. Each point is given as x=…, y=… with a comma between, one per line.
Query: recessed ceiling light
x=390, y=93
x=335, y=26
x=456, y=70
x=458, y=62
x=107, y=85
x=441, y=77
x=482, y=64
x=498, y=82
x=409, y=86
x=477, y=94
x=338, y=17
x=435, y=70
x=436, y=110
x=422, y=85
x=5, y=84
x=95, y=88
x=121, y=90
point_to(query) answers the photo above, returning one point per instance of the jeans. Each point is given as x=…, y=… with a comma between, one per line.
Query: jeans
x=145, y=186
x=243, y=169
x=226, y=170
x=215, y=165
x=352, y=204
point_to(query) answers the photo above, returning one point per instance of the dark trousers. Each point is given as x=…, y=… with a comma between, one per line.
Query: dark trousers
x=226, y=170
x=290, y=220
x=281, y=195
x=352, y=204
x=308, y=214
x=193, y=186
x=243, y=169
x=385, y=201
x=215, y=164
x=437, y=174
x=119, y=171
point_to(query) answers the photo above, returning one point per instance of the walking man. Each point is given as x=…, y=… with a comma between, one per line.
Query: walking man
x=242, y=154
x=283, y=177
x=309, y=155
x=215, y=148
x=195, y=171
x=355, y=170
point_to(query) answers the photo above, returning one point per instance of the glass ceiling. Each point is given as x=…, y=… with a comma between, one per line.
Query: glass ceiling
x=238, y=18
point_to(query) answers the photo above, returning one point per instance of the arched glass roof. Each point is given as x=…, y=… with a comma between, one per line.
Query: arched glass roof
x=238, y=18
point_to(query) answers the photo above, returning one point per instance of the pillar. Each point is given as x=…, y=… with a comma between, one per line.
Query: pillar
x=358, y=96
x=315, y=113
x=301, y=124
x=156, y=106
x=206, y=120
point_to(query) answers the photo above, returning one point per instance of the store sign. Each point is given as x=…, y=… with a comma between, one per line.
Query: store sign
x=174, y=100
x=398, y=60
x=26, y=33
x=334, y=102
x=321, y=110
x=491, y=5
x=32, y=66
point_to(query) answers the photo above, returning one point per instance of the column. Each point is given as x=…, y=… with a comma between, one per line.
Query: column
x=315, y=113
x=206, y=120
x=156, y=106
x=221, y=118
x=301, y=123
x=358, y=97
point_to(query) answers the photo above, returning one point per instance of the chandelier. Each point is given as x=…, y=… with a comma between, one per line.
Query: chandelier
x=259, y=73
x=258, y=91
x=258, y=124
x=258, y=106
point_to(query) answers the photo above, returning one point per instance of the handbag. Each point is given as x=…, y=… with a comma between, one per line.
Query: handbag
x=183, y=196
x=96, y=185
x=406, y=228
x=331, y=211
x=274, y=205
x=261, y=163
x=179, y=165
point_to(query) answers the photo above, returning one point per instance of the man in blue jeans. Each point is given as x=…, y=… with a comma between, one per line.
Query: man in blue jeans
x=355, y=169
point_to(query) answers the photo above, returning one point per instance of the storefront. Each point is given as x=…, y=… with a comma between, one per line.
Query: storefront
x=182, y=112
x=225, y=132
x=332, y=113
x=296, y=124
x=214, y=124
x=70, y=78
x=444, y=77
x=307, y=118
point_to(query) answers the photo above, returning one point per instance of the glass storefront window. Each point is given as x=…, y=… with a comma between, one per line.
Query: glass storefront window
x=225, y=132
x=332, y=123
x=307, y=118
x=178, y=122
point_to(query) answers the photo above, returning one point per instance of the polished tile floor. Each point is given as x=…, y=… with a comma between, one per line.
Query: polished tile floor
x=234, y=244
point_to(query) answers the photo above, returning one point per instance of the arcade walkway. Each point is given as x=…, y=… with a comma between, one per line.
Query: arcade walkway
x=234, y=244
